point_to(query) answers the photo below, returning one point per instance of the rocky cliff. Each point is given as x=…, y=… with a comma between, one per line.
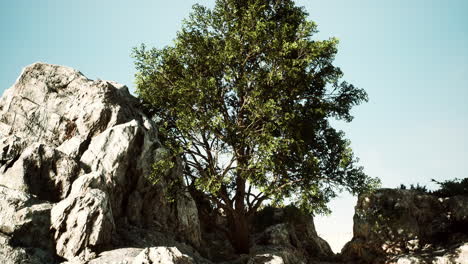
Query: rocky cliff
x=409, y=226
x=75, y=156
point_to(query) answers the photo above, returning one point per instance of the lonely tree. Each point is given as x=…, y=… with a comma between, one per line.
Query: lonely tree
x=245, y=95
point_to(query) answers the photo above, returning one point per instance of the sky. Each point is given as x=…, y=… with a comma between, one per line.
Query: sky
x=410, y=56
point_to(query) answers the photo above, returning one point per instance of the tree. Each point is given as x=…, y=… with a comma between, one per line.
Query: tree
x=245, y=96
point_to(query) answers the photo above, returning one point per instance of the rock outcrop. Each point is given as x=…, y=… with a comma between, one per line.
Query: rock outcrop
x=408, y=226
x=74, y=156
x=288, y=234
x=279, y=235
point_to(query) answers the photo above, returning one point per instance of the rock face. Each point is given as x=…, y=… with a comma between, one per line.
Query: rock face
x=407, y=226
x=279, y=236
x=74, y=156
x=288, y=235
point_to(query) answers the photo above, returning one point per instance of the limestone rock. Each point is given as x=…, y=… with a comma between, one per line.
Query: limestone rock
x=392, y=222
x=10, y=149
x=290, y=229
x=83, y=148
x=266, y=259
x=278, y=235
x=42, y=171
x=163, y=255
x=20, y=255
x=24, y=219
x=85, y=217
x=117, y=256
x=275, y=255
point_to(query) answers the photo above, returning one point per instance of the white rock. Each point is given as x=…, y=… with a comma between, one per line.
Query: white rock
x=266, y=259
x=162, y=255
x=86, y=146
x=117, y=256
x=84, y=219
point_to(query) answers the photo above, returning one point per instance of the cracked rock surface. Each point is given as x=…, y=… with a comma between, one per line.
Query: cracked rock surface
x=408, y=226
x=74, y=156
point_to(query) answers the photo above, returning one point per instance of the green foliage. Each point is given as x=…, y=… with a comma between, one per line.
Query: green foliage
x=452, y=187
x=447, y=188
x=245, y=95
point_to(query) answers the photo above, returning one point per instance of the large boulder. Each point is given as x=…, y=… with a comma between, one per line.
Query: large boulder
x=289, y=227
x=75, y=156
x=392, y=222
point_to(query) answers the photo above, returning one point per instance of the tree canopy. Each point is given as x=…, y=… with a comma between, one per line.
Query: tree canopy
x=245, y=95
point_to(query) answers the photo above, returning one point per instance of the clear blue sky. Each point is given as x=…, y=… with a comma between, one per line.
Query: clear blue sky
x=410, y=56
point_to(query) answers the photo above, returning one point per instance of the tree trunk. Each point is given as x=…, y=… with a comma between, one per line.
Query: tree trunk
x=240, y=233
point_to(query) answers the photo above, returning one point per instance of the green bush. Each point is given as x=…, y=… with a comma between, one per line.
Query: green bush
x=452, y=187
x=447, y=188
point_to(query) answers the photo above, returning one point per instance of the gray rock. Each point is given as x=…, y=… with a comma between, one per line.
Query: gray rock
x=278, y=235
x=83, y=220
x=43, y=171
x=392, y=222
x=293, y=231
x=162, y=255
x=85, y=148
x=278, y=255
x=266, y=259
x=10, y=149
x=20, y=255
x=10, y=203
x=23, y=220
x=51, y=104
x=117, y=256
